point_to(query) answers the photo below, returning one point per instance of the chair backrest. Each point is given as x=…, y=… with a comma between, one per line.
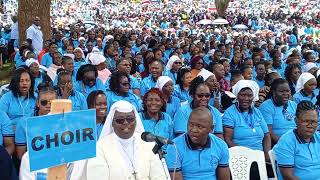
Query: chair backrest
x=240, y=162
x=273, y=163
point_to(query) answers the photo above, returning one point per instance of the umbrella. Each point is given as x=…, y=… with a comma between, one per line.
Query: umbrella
x=240, y=26
x=220, y=21
x=205, y=22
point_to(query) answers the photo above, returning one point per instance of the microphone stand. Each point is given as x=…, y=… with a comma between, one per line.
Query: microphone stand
x=157, y=149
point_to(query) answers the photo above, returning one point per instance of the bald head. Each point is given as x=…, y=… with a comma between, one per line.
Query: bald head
x=202, y=114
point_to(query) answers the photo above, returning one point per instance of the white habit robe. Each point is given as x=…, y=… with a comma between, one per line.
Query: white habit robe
x=110, y=163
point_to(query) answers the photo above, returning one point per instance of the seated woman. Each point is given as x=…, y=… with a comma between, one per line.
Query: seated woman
x=197, y=65
x=46, y=94
x=181, y=89
x=119, y=86
x=38, y=75
x=20, y=101
x=306, y=88
x=279, y=111
x=57, y=64
x=155, y=68
x=121, y=154
x=98, y=100
x=124, y=65
x=200, y=93
x=243, y=124
x=67, y=64
x=172, y=67
x=165, y=85
x=212, y=83
x=66, y=91
x=79, y=58
x=87, y=80
x=153, y=116
x=297, y=151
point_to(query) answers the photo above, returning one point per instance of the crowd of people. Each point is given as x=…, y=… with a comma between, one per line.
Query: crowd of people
x=155, y=68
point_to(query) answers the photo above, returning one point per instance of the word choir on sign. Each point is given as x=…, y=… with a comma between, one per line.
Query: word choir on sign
x=38, y=143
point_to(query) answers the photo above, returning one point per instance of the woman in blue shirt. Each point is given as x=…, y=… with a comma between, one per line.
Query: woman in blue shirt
x=153, y=116
x=172, y=68
x=165, y=85
x=181, y=89
x=243, y=124
x=297, y=151
x=279, y=111
x=98, y=100
x=78, y=58
x=87, y=80
x=20, y=101
x=306, y=88
x=66, y=91
x=200, y=93
x=46, y=94
x=119, y=86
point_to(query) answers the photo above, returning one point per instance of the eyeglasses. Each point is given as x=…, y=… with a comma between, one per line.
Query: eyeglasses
x=122, y=120
x=44, y=102
x=306, y=122
x=203, y=95
x=125, y=84
x=177, y=62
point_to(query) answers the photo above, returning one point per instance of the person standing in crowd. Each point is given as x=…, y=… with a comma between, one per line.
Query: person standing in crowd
x=279, y=110
x=186, y=162
x=6, y=133
x=297, y=151
x=35, y=36
x=165, y=85
x=121, y=154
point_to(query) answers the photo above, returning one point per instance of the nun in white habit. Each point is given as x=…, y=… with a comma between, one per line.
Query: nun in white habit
x=121, y=154
x=306, y=88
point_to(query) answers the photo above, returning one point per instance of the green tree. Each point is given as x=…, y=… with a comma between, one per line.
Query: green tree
x=221, y=6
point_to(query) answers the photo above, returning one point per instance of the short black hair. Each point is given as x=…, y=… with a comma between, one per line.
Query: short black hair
x=276, y=83
x=14, y=85
x=115, y=78
x=84, y=69
x=92, y=98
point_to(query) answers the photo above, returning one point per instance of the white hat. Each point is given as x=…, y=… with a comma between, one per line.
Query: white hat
x=205, y=74
x=31, y=61
x=309, y=66
x=303, y=79
x=172, y=59
x=162, y=80
x=96, y=58
x=246, y=84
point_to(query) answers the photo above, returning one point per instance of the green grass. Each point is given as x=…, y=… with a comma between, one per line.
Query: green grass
x=5, y=73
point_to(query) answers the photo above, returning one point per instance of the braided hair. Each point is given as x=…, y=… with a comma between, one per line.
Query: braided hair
x=305, y=106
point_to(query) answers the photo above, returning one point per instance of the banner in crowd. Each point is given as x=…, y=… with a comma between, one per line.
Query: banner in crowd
x=61, y=138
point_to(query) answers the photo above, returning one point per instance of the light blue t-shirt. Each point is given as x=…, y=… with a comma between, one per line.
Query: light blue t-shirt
x=6, y=128
x=195, y=164
x=294, y=152
x=249, y=128
x=86, y=90
x=130, y=97
x=282, y=119
x=146, y=84
x=182, y=94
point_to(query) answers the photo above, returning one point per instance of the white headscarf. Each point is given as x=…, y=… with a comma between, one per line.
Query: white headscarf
x=75, y=49
x=303, y=79
x=172, y=59
x=246, y=84
x=162, y=80
x=125, y=107
x=205, y=74
x=309, y=66
x=31, y=61
x=96, y=58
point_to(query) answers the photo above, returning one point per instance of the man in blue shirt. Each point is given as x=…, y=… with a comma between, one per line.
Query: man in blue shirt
x=47, y=58
x=199, y=154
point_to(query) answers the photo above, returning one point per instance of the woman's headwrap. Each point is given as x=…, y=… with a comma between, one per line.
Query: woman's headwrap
x=309, y=66
x=172, y=59
x=31, y=61
x=162, y=80
x=96, y=58
x=79, y=49
x=303, y=79
x=125, y=107
x=246, y=84
x=205, y=74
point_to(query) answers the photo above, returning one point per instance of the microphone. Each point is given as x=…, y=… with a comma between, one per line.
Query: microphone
x=149, y=137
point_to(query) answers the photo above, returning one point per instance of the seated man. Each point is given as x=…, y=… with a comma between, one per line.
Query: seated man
x=200, y=154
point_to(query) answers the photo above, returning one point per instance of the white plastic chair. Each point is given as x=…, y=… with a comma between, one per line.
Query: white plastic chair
x=273, y=163
x=240, y=162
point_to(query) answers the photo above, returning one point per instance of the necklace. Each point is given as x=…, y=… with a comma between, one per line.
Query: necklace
x=20, y=104
x=134, y=173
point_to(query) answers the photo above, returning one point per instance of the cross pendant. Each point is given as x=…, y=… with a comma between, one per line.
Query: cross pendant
x=135, y=175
